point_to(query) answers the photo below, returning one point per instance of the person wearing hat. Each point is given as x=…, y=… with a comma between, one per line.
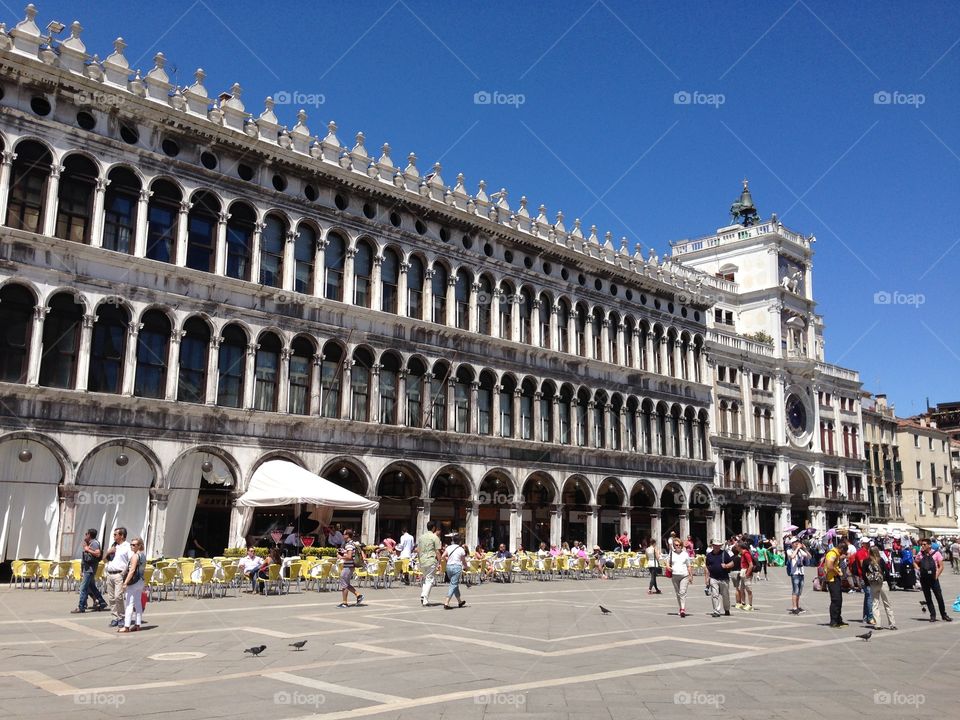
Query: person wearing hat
x=797, y=557
x=717, y=568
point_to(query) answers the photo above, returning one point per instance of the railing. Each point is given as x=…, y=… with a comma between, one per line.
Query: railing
x=837, y=371
x=738, y=342
x=737, y=234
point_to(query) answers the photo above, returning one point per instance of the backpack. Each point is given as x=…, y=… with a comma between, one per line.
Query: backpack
x=928, y=567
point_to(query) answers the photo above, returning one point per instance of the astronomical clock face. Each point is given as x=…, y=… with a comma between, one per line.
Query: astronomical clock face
x=796, y=416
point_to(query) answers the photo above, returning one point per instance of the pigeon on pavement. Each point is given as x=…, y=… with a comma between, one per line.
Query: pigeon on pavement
x=605, y=611
x=256, y=650
x=866, y=636
x=299, y=644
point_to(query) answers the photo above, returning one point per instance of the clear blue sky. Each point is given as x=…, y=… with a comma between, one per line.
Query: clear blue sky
x=878, y=184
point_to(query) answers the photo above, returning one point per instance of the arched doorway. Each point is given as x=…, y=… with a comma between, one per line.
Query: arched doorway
x=672, y=501
x=610, y=498
x=199, y=504
x=801, y=488
x=701, y=500
x=496, y=498
x=538, y=498
x=450, y=492
x=643, y=500
x=399, y=488
x=576, y=499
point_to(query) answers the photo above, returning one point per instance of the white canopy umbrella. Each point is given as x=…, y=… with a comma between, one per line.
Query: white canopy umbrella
x=281, y=482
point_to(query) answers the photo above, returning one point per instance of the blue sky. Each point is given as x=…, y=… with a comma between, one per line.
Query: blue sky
x=787, y=97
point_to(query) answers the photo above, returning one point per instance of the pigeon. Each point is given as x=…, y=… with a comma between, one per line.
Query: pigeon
x=923, y=606
x=299, y=644
x=256, y=650
x=605, y=611
x=866, y=636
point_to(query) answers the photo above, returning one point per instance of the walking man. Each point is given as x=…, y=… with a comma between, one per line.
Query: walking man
x=718, y=567
x=427, y=548
x=88, y=567
x=834, y=575
x=930, y=565
x=118, y=558
x=797, y=557
x=405, y=548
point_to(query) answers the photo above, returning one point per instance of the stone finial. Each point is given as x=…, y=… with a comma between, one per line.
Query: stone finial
x=268, y=115
x=331, y=138
x=411, y=168
x=136, y=86
x=359, y=149
x=577, y=232
x=385, y=159
x=482, y=192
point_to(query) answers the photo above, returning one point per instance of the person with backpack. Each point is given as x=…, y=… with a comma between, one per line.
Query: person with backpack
x=133, y=587
x=930, y=565
x=351, y=554
x=876, y=573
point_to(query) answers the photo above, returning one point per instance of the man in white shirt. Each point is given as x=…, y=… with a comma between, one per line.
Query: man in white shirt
x=250, y=565
x=117, y=557
x=405, y=548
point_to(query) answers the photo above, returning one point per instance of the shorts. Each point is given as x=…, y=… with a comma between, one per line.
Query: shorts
x=796, y=582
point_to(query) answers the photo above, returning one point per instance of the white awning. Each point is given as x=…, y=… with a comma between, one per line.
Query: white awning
x=281, y=482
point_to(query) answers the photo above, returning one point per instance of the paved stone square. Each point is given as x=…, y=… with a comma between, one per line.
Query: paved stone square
x=533, y=649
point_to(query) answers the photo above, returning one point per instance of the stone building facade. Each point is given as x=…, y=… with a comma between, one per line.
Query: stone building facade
x=189, y=290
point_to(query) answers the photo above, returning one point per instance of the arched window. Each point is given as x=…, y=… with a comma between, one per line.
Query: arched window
x=416, y=379
x=526, y=410
x=360, y=385
x=389, y=381
x=437, y=414
x=163, y=212
x=108, y=348
x=507, y=299
x=596, y=326
x=61, y=340
x=580, y=327
x=544, y=309
x=301, y=366
x=439, y=287
x=16, y=319
x=389, y=281
x=461, y=399
x=331, y=376
x=563, y=326
x=75, y=202
x=415, y=288
x=267, y=372
x=526, y=316
x=362, y=273
x=333, y=260
x=152, y=346
x=202, y=232
x=304, y=257
x=120, y=203
x=233, y=347
x=273, y=239
x=194, y=351
x=546, y=413
x=484, y=302
x=505, y=406
x=485, y=396
x=28, y=185
x=563, y=409
x=240, y=229
x=462, y=298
